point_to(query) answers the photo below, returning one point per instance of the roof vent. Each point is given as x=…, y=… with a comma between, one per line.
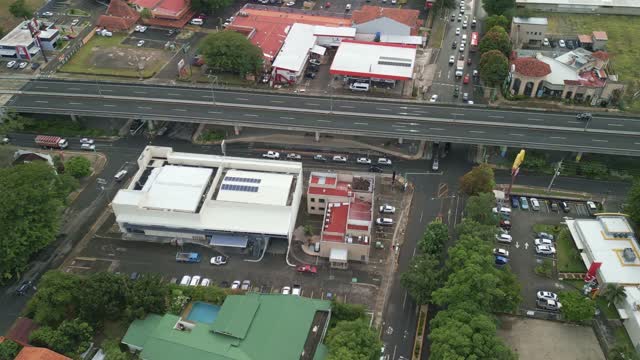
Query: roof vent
x=315, y=329
x=629, y=255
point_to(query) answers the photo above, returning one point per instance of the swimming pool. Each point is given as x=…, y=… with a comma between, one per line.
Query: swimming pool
x=203, y=313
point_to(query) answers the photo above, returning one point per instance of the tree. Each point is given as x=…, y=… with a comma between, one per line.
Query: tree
x=497, y=20
x=495, y=39
x=230, y=51
x=9, y=349
x=20, y=9
x=111, y=349
x=479, y=209
x=435, y=235
x=422, y=277
x=32, y=200
x=494, y=67
x=78, y=167
x=56, y=298
x=614, y=293
x=508, y=296
x=71, y=338
x=146, y=13
x=498, y=7
x=147, y=295
x=457, y=334
x=469, y=226
x=622, y=351
x=632, y=205
x=479, y=180
x=576, y=307
x=13, y=121
x=102, y=297
x=345, y=312
x=210, y=6
x=352, y=340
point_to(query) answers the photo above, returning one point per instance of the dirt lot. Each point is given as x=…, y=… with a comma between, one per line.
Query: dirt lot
x=534, y=339
x=108, y=56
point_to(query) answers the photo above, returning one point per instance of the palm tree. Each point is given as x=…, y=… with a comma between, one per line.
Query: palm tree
x=614, y=293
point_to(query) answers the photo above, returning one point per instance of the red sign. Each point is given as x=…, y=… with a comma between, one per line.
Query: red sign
x=591, y=274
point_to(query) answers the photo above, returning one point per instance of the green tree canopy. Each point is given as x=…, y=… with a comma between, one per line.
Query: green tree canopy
x=345, y=312
x=210, y=6
x=494, y=67
x=479, y=209
x=146, y=13
x=9, y=349
x=576, y=307
x=422, y=277
x=497, y=20
x=13, y=121
x=443, y=6
x=112, y=350
x=632, y=206
x=71, y=338
x=352, y=340
x=78, y=167
x=479, y=180
x=496, y=39
x=232, y=52
x=498, y=7
x=435, y=236
x=32, y=199
x=20, y=9
x=469, y=226
x=147, y=295
x=56, y=298
x=614, y=293
x=102, y=297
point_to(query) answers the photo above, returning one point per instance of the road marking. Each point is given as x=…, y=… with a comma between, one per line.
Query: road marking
x=143, y=107
x=574, y=122
x=242, y=99
x=517, y=134
x=277, y=101
x=75, y=103
x=179, y=109
x=534, y=119
x=42, y=87
x=251, y=115
x=496, y=117
x=74, y=88
x=620, y=125
x=637, y=143
x=173, y=94
x=215, y=112
x=436, y=129
x=312, y=104
x=347, y=106
x=454, y=114
x=325, y=121
x=42, y=101
x=557, y=137
x=109, y=105
x=286, y=118
x=140, y=92
x=598, y=140
x=206, y=96
x=360, y=123
x=106, y=90
x=383, y=109
x=399, y=126
x=476, y=132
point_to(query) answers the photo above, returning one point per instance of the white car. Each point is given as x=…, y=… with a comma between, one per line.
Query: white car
x=542, y=295
x=549, y=304
x=236, y=284
x=340, y=158
x=205, y=282
x=387, y=209
x=545, y=249
x=363, y=160
x=142, y=28
x=291, y=3
x=506, y=238
x=434, y=98
x=452, y=60
x=457, y=31
x=384, y=221
x=296, y=290
x=348, y=7
x=501, y=252
x=543, y=242
x=293, y=156
x=218, y=260
x=86, y=141
x=140, y=43
x=561, y=43
x=464, y=24
x=88, y=147
x=286, y=290
x=246, y=285
x=461, y=48
x=185, y=280
x=271, y=155
x=384, y=161
x=75, y=22
x=23, y=65
x=545, y=42
x=195, y=281
x=11, y=64
x=544, y=235
x=46, y=14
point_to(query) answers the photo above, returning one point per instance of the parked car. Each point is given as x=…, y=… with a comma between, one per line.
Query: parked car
x=195, y=281
x=11, y=64
x=504, y=238
x=545, y=249
x=23, y=65
x=314, y=62
x=296, y=290
x=46, y=14
x=505, y=224
x=205, y=282
x=514, y=202
x=434, y=98
x=501, y=252
x=542, y=295
x=387, y=209
x=384, y=221
x=549, y=304
x=134, y=276
x=88, y=147
x=75, y=22
x=271, y=155
x=466, y=78
x=591, y=206
x=544, y=235
x=535, y=204
x=218, y=260
x=310, y=75
x=542, y=242
x=555, y=207
x=363, y=160
x=235, y=284
x=246, y=285
x=501, y=260
x=140, y=43
x=340, y=158
x=565, y=206
x=286, y=290
x=185, y=280
x=524, y=203
x=545, y=42
x=456, y=91
x=384, y=161
x=24, y=287
x=294, y=156
x=319, y=157
x=561, y=43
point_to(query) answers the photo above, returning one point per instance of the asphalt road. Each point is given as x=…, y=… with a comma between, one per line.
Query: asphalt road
x=375, y=119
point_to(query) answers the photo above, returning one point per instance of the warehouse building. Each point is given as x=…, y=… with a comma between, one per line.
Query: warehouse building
x=609, y=7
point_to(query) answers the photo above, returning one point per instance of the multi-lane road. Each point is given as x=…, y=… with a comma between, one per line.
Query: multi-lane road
x=352, y=116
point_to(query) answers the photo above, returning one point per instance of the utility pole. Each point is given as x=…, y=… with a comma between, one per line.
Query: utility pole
x=555, y=173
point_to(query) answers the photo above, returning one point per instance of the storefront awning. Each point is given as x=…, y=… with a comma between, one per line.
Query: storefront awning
x=239, y=241
x=338, y=255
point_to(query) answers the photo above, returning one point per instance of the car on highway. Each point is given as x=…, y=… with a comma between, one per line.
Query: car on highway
x=363, y=160
x=75, y=22
x=435, y=165
x=384, y=161
x=453, y=17
x=195, y=281
x=505, y=238
x=246, y=285
x=545, y=249
x=375, y=169
x=524, y=204
x=474, y=22
x=88, y=147
x=86, y=141
x=294, y=156
x=235, y=284
x=466, y=78
x=271, y=155
x=459, y=18
x=542, y=295
x=24, y=287
x=434, y=98
x=544, y=235
x=205, y=282
x=454, y=45
x=584, y=116
x=218, y=260
x=286, y=290
x=46, y=14
x=452, y=58
x=296, y=290
x=457, y=31
x=11, y=64
x=140, y=43
x=319, y=157
x=501, y=252
x=387, y=209
x=340, y=158
x=23, y=65
x=384, y=221
x=465, y=24
x=456, y=91
x=543, y=242
x=469, y=61
x=465, y=96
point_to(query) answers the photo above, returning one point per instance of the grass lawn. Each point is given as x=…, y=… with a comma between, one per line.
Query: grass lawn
x=568, y=258
x=437, y=33
x=7, y=20
x=63, y=126
x=81, y=62
x=623, y=32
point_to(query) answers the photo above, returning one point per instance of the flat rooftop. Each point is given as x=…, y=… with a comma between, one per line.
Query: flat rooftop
x=255, y=187
x=374, y=60
x=20, y=35
x=175, y=188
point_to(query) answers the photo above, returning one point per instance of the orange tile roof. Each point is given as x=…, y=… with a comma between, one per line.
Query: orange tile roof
x=114, y=23
x=530, y=66
x=600, y=55
x=600, y=35
x=122, y=9
x=38, y=353
x=404, y=16
x=585, y=39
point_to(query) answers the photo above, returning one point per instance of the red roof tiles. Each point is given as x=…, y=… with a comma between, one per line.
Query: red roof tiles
x=530, y=66
x=404, y=16
x=38, y=353
x=119, y=17
x=600, y=55
x=600, y=35
x=585, y=39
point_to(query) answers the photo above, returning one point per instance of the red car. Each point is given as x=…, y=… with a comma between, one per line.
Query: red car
x=307, y=269
x=466, y=78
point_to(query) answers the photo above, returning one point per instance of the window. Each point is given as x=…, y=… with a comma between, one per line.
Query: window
x=313, y=199
x=321, y=208
x=321, y=200
x=313, y=208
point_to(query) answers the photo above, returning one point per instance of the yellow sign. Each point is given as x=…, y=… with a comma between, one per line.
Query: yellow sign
x=518, y=161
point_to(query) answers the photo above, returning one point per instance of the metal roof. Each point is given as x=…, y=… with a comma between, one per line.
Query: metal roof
x=577, y=3
x=176, y=188
x=255, y=187
x=375, y=60
x=530, y=20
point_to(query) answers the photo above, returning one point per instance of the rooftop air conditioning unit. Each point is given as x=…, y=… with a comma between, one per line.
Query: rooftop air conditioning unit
x=629, y=255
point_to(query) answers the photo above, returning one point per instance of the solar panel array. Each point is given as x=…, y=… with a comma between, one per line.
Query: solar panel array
x=242, y=179
x=233, y=187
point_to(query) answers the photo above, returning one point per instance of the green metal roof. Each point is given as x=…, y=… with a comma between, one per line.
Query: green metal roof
x=261, y=327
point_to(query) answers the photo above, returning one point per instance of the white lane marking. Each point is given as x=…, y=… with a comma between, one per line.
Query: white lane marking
x=42, y=87
x=325, y=121
x=496, y=117
x=251, y=115
x=242, y=99
x=454, y=114
x=215, y=112
x=312, y=104
x=517, y=134
x=106, y=90
x=75, y=103
x=436, y=129
x=206, y=96
x=476, y=131
x=574, y=122
x=109, y=105
x=179, y=109
x=173, y=94
x=276, y=101
x=636, y=143
x=383, y=109
x=534, y=119
x=360, y=123
x=620, y=125
x=347, y=106
x=557, y=137
x=144, y=107
x=42, y=101
x=399, y=125
x=140, y=92
x=286, y=118
x=74, y=88
x=598, y=140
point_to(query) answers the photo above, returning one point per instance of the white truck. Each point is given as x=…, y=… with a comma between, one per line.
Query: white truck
x=271, y=155
x=459, y=68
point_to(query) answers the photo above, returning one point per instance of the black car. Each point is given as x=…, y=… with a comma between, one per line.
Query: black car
x=571, y=44
x=454, y=45
x=554, y=207
x=553, y=43
x=310, y=75
x=313, y=68
x=375, y=169
x=24, y=287
x=224, y=284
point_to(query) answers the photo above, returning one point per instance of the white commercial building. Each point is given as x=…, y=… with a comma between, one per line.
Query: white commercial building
x=209, y=199
x=20, y=43
x=609, y=240
x=614, y=7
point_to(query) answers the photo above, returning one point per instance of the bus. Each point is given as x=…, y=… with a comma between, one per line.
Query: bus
x=474, y=42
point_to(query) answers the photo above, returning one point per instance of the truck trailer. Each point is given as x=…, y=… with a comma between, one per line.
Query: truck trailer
x=51, y=142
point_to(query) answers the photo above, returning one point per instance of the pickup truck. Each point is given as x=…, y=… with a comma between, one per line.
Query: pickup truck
x=188, y=257
x=271, y=155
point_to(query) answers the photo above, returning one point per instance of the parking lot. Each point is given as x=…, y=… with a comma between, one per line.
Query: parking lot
x=155, y=38
x=522, y=254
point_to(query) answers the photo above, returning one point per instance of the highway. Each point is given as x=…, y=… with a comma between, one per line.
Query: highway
x=375, y=118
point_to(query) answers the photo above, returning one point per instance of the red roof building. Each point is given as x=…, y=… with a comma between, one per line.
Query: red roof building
x=531, y=67
x=38, y=353
x=119, y=17
x=388, y=21
x=168, y=13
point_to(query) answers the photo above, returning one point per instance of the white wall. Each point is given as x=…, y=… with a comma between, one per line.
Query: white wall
x=385, y=26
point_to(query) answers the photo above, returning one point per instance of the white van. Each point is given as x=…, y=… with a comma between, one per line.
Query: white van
x=464, y=39
x=357, y=86
x=535, y=204
x=120, y=175
x=196, y=21
x=503, y=210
